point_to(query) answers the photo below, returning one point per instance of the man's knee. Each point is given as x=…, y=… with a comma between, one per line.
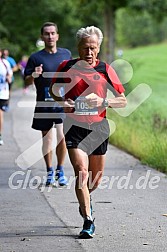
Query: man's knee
x=81, y=177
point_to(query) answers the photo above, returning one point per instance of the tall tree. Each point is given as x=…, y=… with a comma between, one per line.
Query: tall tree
x=109, y=9
x=102, y=13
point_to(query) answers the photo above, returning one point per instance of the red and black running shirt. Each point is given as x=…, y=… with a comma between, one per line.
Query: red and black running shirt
x=80, y=79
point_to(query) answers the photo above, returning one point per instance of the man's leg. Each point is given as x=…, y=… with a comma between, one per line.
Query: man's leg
x=96, y=168
x=1, y=124
x=60, y=153
x=47, y=154
x=61, y=145
x=47, y=147
x=79, y=161
x=1, y=120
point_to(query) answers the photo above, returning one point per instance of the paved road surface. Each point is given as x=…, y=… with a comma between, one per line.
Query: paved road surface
x=129, y=206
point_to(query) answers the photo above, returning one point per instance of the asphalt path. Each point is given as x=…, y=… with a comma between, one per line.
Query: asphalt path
x=130, y=205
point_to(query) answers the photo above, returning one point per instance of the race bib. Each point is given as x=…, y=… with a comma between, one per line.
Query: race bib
x=48, y=97
x=82, y=108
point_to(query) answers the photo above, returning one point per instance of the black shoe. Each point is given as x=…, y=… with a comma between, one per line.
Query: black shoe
x=88, y=230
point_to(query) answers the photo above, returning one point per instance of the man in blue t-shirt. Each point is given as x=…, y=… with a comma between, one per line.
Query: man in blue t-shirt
x=39, y=70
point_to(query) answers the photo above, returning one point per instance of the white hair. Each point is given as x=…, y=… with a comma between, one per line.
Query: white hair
x=89, y=31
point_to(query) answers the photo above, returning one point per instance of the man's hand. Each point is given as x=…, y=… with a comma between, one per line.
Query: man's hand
x=9, y=78
x=69, y=106
x=93, y=100
x=29, y=79
x=117, y=102
x=38, y=71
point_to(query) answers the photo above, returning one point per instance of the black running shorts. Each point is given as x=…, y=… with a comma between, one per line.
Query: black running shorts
x=4, y=105
x=44, y=120
x=92, y=139
x=45, y=124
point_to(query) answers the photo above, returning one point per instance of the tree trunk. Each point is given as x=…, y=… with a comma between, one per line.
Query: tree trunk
x=109, y=35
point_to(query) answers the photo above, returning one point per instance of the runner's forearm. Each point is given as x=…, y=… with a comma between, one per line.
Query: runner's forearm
x=29, y=80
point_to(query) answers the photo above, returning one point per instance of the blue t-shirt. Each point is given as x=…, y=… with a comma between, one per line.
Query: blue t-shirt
x=50, y=62
x=12, y=63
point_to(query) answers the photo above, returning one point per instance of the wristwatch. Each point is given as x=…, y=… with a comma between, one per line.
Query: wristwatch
x=105, y=103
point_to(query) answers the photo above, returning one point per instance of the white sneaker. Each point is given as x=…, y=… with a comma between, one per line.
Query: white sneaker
x=1, y=142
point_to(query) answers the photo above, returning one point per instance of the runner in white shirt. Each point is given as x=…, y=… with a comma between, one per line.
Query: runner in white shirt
x=5, y=78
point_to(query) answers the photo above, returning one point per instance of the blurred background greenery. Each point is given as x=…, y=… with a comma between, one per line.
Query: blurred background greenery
x=134, y=30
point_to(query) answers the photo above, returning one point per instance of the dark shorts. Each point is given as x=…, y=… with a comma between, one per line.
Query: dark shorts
x=92, y=139
x=45, y=124
x=45, y=121
x=4, y=105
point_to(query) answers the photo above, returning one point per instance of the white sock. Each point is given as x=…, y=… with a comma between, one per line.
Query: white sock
x=88, y=218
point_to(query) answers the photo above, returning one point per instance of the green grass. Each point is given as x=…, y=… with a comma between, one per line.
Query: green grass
x=144, y=132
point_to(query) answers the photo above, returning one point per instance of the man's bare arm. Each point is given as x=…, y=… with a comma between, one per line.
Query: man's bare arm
x=29, y=79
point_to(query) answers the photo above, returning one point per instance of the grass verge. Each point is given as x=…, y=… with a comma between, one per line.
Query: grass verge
x=144, y=132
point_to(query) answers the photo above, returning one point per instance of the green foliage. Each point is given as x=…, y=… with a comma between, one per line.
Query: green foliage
x=21, y=21
x=24, y=30
x=135, y=28
x=3, y=30
x=156, y=8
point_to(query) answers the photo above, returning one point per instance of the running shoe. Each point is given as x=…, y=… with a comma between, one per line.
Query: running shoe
x=61, y=178
x=1, y=141
x=88, y=230
x=50, y=178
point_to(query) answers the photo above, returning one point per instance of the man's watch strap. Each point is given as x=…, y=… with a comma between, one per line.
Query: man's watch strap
x=105, y=103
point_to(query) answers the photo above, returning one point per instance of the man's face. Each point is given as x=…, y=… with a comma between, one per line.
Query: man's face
x=88, y=49
x=50, y=36
x=5, y=53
